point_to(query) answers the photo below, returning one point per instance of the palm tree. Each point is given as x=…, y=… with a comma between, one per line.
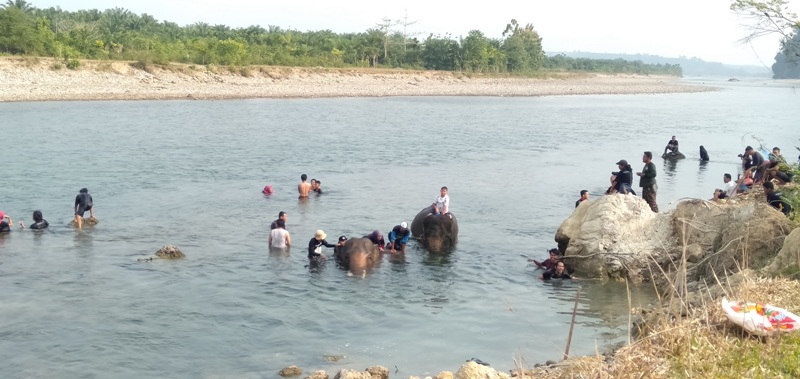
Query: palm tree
x=19, y=4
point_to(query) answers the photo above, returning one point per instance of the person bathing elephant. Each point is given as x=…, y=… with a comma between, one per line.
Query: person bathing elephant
x=437, y=232
x=357, y=254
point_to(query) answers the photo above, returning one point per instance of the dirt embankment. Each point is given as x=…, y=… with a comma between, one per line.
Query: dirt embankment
x=38, y=79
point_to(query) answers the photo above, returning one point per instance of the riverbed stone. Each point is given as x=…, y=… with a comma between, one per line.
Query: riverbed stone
x=378, y=372
x=290, y=371
x=170, y=252
x=472, y=370
x=444, y=375
x=352, y=374
x=91, y=221
x=320, y=374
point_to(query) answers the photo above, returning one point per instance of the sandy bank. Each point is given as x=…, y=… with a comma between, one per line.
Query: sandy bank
x=31, y=79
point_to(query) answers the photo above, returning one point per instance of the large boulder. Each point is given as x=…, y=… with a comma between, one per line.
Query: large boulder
x=617, y=236
x=788, y=259
x=613, y=236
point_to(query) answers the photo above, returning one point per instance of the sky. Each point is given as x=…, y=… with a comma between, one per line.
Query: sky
x=706, y=29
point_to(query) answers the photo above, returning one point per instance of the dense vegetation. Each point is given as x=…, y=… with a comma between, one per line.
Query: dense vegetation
x=121, y=35
x=787, y=61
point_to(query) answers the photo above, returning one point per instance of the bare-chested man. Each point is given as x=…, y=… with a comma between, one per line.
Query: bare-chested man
x=303, y=187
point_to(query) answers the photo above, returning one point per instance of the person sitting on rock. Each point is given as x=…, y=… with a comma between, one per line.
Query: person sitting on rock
x=398, y=238
x=759, y=164
x=624, y=178
x=559, y=272
x=774, y=199
x=672, y=146
x=377, y=238
x=550, y=263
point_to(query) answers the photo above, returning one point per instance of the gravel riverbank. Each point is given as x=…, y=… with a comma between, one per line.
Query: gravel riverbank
x=43, y=79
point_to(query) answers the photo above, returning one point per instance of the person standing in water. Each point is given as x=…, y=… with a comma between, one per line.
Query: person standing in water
x=303, y=188
x=315, y=245
x=279, y=238
x=398, y=238
x=38, y=221
x=83, y=203
x=5, y=226
x=282, y=216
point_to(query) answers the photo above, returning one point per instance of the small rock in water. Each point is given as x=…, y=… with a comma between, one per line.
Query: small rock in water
x=91, y=221
x=170, y=252
x=332, y=358
x=378, y=372
x=290, y=371
x=318, y=375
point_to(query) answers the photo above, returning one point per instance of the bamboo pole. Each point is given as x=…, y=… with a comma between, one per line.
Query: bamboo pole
x=572, y=323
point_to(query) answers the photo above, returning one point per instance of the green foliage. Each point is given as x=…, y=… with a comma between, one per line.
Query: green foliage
x=119, y=34
x=73, y=63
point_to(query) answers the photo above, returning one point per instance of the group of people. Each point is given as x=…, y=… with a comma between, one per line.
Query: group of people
x=396, y=241
x=622, y=181
x=83, y=203
x=554, y=268
x=759, y=171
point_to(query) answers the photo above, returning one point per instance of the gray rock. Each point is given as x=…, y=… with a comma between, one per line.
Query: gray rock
x=378, y=372
x=352, y=374
x=170, y=252
x=290, y=371
x=318, y=375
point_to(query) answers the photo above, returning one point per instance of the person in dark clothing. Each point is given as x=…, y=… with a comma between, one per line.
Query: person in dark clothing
x=774, y=199
x=550, y=263
x=83, y=203
x=377, y=238
x=559, y=272
x=38, y=221
x=584, y=197
x=340, y=244
x=624, y=178
x=758, y=164
x=672, y=146
x=281, y=217
x=315, y=245
x=647, y=180
x=398, y=238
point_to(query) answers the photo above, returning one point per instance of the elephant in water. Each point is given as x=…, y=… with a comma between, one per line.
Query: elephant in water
x=357, y=255
x=437, y=232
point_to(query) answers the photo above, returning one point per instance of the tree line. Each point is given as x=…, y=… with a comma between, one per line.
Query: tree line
x=118, y=34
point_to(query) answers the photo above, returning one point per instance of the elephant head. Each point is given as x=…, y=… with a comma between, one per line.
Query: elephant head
x=357, y=255
x=437, y=232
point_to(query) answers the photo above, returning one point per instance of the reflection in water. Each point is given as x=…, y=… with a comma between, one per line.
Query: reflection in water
x=83, y=240
x=281, y=254
x=702, y=168
x=669, y=166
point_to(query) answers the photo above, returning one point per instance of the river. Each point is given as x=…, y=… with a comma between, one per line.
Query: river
x=189, y=173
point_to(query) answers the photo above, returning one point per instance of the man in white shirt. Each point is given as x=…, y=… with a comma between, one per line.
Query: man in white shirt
x=730, y=185
x=279, y=238
x=442, y=203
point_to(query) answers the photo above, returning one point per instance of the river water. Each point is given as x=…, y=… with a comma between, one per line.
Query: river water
x=189, y=173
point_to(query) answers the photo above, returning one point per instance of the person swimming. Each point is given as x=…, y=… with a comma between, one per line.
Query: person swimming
x=38, y=221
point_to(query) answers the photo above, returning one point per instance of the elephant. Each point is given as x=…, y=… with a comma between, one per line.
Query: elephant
x=357, y=255
x=437, y=232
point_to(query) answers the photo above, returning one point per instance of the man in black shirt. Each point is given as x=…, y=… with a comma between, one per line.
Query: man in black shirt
x=558, y=273
x=774, y=199
x=584, y=197
x=672, y=146
x=281, y=216
x=83, y=203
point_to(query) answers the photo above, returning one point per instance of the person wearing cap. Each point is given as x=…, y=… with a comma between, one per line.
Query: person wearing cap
x=584, y=197
x=647, y=180
x=83, y=203
x=281, y=217
x=398, y=237
x=672, y=146
x=340, y=244
x=550, y=263
x=315, y=245
x=377, y=239
x=623, y=179
x=279, y=238
x=5, y=226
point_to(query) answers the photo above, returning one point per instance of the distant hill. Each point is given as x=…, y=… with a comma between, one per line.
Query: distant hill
x=691, y=66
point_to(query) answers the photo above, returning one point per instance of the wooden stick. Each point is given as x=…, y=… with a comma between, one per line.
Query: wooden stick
x=572, y=323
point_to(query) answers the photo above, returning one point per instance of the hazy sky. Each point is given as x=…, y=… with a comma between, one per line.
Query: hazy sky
x=706, y=29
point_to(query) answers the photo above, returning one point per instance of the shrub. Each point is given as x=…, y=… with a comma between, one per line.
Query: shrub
x=73, y=63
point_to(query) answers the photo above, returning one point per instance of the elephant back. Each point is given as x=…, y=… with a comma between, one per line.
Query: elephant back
x=416, y=224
